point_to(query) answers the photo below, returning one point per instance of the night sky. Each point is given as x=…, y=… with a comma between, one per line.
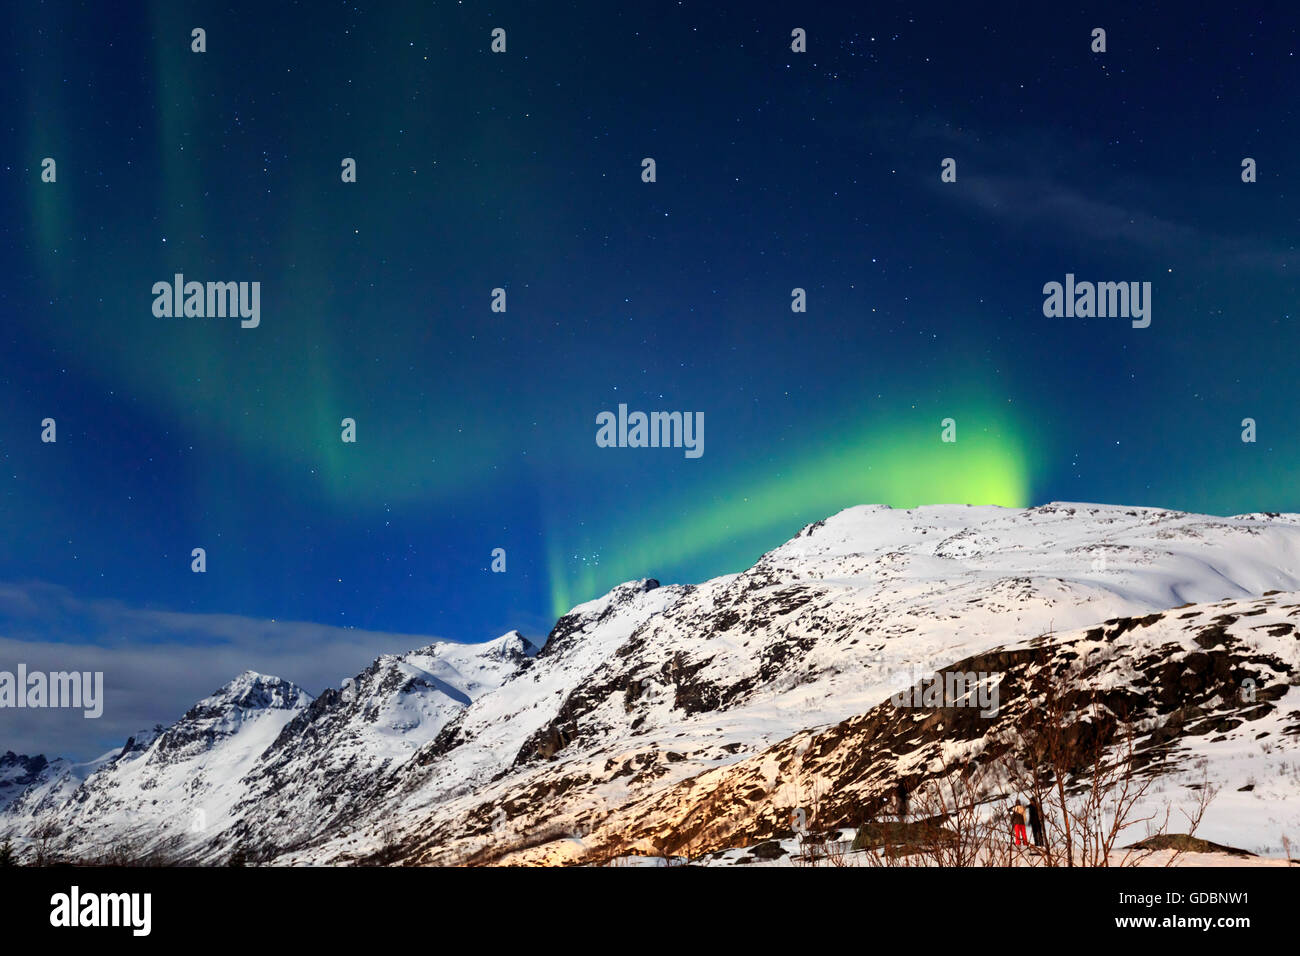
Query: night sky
x=523, y=170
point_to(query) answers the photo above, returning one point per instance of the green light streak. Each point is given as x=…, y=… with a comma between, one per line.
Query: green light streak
x=726, y=530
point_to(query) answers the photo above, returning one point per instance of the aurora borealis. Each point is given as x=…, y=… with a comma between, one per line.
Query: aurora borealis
x=522, y=170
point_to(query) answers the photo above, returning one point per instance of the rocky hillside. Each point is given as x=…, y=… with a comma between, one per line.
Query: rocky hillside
x=1210, y=691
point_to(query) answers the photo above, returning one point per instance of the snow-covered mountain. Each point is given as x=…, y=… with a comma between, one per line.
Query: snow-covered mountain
x=642, y=702
x=34, y=787
x=257, y=748
x=337, y=752
x=169, y=788
x=1211, y=690
x=819, y=630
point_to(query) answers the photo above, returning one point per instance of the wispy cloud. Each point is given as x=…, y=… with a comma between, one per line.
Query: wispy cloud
x=1028, y=180
x=157, y=663
x=1037, y=203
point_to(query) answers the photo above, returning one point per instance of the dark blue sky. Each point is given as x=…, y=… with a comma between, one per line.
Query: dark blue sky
x=522, y=170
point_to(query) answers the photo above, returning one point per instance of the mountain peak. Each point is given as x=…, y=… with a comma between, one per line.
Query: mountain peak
x=594, y=611
x=253, y=691
x=510, y=645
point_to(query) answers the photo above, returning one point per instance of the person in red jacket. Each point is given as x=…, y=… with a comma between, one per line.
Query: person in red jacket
x=1018, y=823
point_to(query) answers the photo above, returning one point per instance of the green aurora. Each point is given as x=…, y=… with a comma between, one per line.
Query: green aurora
x=729, y=527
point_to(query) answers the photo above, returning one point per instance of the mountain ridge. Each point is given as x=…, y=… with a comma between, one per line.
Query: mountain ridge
x=649, y=686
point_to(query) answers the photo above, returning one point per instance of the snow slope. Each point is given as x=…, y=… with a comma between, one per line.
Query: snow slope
x=820, y=629
x=162, y=791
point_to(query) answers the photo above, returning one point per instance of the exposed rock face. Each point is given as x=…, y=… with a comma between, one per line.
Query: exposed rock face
x=18, y=772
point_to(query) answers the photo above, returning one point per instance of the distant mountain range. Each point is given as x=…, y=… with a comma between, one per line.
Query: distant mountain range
x=654, y=706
